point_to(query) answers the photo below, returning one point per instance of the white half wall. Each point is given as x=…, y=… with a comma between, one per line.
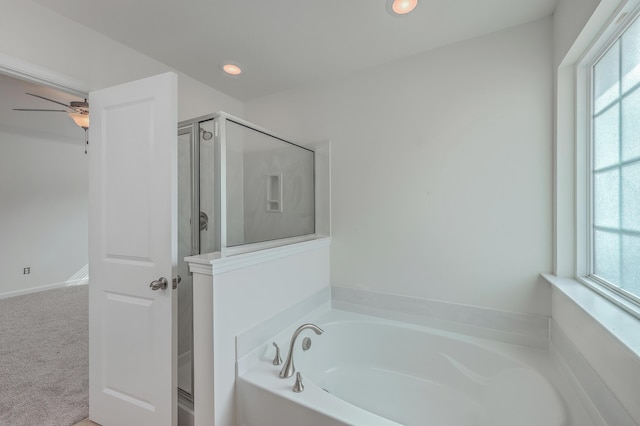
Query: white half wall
x=240, y=302
x=441, y=169
x=44, y=206
x=238, y=293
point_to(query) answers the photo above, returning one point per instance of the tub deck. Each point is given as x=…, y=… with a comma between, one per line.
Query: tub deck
x=370, y=371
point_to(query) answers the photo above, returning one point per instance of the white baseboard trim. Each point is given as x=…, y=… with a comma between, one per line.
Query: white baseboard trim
x=22, y=292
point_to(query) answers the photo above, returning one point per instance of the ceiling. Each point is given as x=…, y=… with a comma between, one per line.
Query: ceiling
x=281, y=44
x=46, y=125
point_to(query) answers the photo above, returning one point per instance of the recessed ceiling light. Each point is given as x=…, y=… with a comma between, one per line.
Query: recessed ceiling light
x=232, y=69
x=402, y=7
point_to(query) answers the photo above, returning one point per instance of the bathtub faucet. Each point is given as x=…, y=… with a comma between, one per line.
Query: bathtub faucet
x=289, y=368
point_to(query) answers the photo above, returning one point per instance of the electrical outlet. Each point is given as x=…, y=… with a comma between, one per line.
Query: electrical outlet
x=27, y=270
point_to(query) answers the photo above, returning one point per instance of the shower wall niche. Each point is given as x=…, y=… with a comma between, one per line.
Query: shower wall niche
x=240, y=188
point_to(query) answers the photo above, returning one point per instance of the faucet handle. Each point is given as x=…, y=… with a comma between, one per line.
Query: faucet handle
x=277, y=360
x=298, y=386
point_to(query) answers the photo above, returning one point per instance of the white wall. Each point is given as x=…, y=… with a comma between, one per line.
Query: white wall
x=43, y=210
x=54, y=47
x=569, y=19
x=441, y=169
x=616, y=368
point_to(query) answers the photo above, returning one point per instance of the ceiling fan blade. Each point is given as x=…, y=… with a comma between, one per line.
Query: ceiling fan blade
x=50, y=100
x=31, y=109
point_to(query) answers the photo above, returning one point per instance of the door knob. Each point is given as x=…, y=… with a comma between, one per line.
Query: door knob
x=159, y=284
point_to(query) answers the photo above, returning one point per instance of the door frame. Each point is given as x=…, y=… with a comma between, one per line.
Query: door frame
x=31, y=72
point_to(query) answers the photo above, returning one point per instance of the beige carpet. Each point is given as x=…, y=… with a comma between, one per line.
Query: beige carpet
x=44, y=358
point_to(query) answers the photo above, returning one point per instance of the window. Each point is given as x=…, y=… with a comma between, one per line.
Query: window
x=614, y=163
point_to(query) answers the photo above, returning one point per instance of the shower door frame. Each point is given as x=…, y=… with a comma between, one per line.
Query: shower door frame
x=220, y=120
x=219, y=224
x=191, y=128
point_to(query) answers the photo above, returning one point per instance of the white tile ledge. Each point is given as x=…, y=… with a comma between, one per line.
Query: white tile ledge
x=215, y=263
x=616, y=320
x=528, y=329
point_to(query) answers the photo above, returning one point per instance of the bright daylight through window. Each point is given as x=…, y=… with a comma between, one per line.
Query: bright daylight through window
x=615, y=164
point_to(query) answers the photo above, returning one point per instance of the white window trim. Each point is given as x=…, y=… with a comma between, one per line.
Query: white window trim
x=620, y=324
x=583, y=137
x=612, y=296
x=569, y=193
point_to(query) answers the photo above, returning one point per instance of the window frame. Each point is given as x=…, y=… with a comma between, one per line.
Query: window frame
x=584, y=261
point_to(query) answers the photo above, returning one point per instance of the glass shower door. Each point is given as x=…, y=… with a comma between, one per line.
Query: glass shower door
x=185, y=248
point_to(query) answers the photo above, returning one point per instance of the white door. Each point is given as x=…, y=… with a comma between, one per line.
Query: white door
x=132, y=243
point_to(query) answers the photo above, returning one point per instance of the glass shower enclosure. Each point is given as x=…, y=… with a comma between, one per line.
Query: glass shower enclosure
x=240, y=188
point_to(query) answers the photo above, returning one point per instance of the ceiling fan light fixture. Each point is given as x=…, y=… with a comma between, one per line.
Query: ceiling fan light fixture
x=82, y=120
x=401, y=7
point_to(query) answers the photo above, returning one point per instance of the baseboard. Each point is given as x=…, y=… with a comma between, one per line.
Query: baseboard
x=41, y=288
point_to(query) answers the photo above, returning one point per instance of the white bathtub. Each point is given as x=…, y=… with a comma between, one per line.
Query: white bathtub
x=369, y=371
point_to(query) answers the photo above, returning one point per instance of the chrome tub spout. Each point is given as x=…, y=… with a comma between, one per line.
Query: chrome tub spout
x=289, y=368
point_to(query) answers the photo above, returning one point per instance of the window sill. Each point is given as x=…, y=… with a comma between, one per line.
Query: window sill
x=618, y=317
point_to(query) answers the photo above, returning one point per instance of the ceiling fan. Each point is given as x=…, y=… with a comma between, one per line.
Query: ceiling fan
x=77, y=110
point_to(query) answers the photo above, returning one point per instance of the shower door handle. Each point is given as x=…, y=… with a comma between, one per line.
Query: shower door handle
x=204, y=221
x=159, y=284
